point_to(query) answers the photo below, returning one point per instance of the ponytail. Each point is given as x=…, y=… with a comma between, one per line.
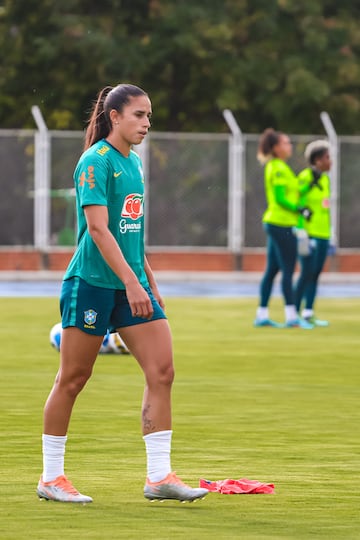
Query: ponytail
x=99, y=125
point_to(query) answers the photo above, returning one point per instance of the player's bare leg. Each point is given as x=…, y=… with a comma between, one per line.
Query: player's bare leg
x=151, y=344
x=78, y=355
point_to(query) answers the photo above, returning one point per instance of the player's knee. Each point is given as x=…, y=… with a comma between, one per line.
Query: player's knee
x=163, y=375
x=168, y=375
x=77, y=384
x=73, y=385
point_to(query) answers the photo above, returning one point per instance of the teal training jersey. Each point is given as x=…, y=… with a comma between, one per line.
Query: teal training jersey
x=278, y=173
x=103, y=176
x=318, y=200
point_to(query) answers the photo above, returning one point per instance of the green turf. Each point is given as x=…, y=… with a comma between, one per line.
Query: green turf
x=278, y=406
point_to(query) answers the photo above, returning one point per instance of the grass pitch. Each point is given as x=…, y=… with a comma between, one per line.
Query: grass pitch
x=278, y=406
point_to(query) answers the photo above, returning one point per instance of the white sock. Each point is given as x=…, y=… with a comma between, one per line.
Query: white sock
x=290, y=313
x=53, y=456
x=158, y=448
x=307, y=313
x=262, y=313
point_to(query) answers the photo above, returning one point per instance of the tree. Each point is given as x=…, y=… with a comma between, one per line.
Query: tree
x=277, y=62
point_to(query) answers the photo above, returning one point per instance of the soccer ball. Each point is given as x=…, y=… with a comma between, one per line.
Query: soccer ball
x=105, y=346
x=112, y=343
x=55, y=336
x=117, y=344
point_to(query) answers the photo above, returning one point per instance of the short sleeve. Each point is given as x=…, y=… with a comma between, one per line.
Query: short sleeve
x=280, y=177
x=90, y=179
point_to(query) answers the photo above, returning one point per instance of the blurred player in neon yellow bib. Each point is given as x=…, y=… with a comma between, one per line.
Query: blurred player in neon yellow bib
x=314, y=185
x=280, y=220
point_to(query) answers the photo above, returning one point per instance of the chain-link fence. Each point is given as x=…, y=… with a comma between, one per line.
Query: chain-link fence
x=16, y=187
x=189, y=195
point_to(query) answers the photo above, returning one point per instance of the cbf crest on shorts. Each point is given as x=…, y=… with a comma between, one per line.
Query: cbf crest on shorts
x=90, y=318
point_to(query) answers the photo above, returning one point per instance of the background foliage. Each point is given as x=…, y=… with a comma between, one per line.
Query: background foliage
x=277, y=62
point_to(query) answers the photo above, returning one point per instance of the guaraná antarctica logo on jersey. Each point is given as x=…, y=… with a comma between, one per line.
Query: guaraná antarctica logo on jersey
x=90, y=318
x=133, y=209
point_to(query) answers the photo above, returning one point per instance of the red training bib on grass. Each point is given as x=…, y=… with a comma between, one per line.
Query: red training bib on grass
x=234, y=487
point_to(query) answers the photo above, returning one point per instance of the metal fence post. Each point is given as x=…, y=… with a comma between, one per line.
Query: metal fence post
x=334, y=175
x=41, y=182
x=236, y=217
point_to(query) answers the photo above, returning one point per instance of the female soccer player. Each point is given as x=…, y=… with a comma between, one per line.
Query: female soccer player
x=314, y=185
x=109, y=285
x=280, y=218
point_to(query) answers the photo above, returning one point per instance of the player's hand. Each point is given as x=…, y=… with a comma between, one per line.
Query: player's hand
x=305, y=212
x=157, y=295
x=139, y=301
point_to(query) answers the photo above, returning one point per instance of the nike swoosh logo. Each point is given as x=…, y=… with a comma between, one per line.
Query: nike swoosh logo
x=116, y=174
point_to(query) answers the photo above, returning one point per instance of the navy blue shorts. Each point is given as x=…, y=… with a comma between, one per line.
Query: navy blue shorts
x=96, y=310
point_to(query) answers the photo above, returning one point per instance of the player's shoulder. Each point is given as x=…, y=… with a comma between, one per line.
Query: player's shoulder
x=305, y=177
x=100, y=150
x=279, y=168
x=98, y=156
x=305, y=174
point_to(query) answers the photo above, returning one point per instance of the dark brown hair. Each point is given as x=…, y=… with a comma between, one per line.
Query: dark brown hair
x=108, y=98
x=268, y=139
